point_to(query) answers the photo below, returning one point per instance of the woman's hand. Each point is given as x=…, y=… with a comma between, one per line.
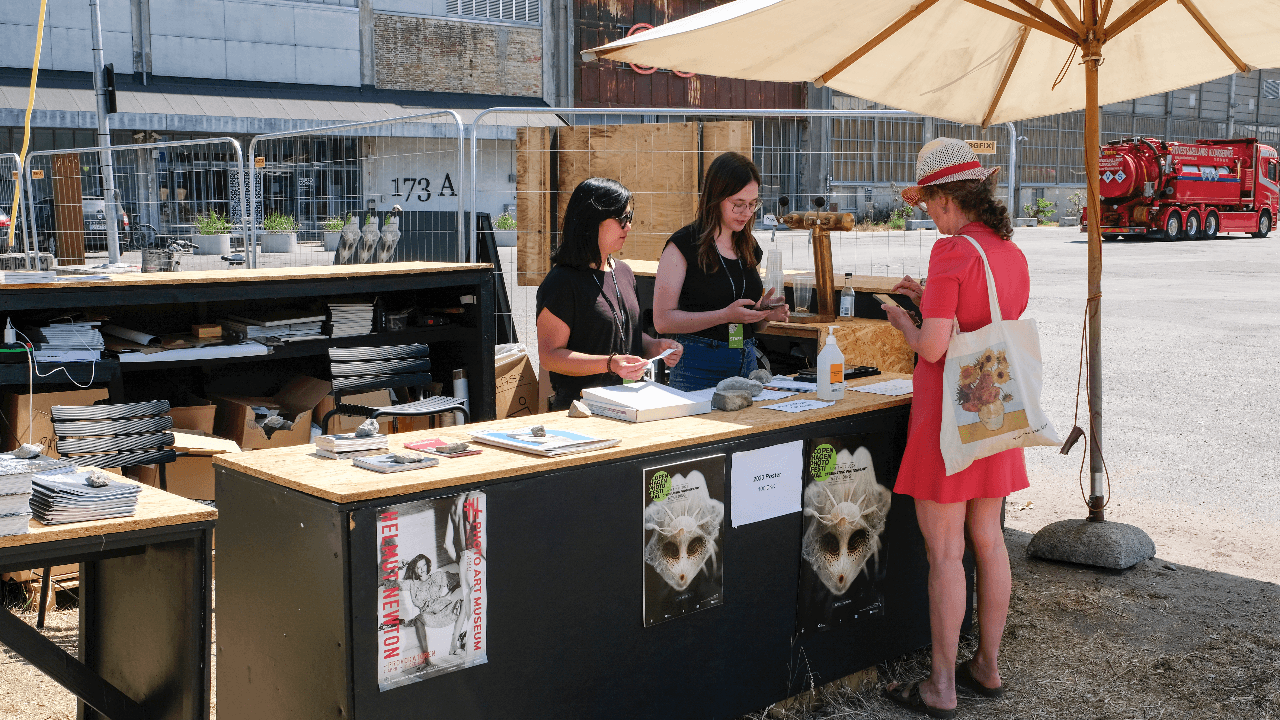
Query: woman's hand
x=775, y=304
x=909, y=287
x=676, y=349
x=898, y=317
x=742, y=311
x=629, y=367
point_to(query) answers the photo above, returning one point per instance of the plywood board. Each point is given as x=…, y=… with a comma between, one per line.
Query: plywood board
x=187, y=277
x=721, y=137
x=68, y=213
x=657, y=162
x=534, y=222
x=301, y=469
x=156, y=508
x=862, y=341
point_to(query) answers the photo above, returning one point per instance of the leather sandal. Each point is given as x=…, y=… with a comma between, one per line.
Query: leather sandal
x=966, y=680
x=912, y=700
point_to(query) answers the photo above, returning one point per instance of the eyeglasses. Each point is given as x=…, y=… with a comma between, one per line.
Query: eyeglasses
x=740, y=207
x=625, y=218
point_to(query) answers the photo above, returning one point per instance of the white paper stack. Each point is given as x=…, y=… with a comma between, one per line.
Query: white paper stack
x=347, y=319
x=644, y=401
x=69, y=342
x=68, y=497
x=283, y=324
x=15, y=489
x=18, y=277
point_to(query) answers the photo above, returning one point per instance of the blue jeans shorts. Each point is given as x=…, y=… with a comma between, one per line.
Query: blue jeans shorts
x=706, y=362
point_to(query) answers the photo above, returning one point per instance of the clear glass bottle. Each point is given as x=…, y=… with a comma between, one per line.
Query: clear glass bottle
x=846, y=296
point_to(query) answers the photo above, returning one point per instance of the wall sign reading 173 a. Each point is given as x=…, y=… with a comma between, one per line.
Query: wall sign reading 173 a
x=419, y=188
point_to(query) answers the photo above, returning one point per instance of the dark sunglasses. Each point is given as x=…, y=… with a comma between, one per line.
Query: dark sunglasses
x=625, y=219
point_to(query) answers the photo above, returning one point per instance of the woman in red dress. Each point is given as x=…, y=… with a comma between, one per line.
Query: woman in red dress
x=957, y=192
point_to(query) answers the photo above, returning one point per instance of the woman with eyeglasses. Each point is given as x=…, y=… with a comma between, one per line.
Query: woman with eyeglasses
x=589, y=332
x=708, y=291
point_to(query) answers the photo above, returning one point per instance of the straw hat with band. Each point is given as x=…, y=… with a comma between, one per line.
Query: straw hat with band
x=944, y=160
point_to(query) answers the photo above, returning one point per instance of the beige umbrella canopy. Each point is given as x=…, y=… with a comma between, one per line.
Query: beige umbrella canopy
x=979, y=62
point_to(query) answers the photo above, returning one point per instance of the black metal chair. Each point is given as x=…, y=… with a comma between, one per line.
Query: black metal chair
x=111, y=436
x=397, y=368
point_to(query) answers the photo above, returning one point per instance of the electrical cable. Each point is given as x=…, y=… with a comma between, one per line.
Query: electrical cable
x=93, y=371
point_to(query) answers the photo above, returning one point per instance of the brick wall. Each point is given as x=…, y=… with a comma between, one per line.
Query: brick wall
x=413, y=53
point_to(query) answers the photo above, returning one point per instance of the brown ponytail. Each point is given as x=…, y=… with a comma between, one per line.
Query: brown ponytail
x=976, y=198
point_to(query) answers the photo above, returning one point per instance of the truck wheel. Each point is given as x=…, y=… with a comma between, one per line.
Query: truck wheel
x=1110, y=236
x=1211, y=225
x=1192, y=230
x=1264, y=225
x=1173, y=226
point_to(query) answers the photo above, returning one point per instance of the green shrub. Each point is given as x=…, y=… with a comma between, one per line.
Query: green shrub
x=1041, y=209
x=334, y=224
x=504, y=222
x=213, y=224
x=898, y=218
x=279, y=223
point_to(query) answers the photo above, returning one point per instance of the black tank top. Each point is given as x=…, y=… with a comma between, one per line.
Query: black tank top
x=729, y=280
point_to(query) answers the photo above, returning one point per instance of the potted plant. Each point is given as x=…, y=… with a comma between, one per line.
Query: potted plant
x=281, y=233
x=504, y=230
x=213, y=234
x=333, y=232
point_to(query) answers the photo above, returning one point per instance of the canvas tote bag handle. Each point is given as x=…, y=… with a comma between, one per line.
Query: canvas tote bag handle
x=991, y=281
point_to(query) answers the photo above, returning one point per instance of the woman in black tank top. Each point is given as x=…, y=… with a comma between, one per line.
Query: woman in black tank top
x=708, y=290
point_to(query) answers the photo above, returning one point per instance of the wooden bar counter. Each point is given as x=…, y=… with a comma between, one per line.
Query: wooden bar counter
x=304, y=578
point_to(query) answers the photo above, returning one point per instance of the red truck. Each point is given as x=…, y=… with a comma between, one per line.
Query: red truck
x=1187, y=190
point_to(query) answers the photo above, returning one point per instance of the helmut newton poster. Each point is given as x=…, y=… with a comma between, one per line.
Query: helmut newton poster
x=683, y=538
x=845, y=507
x=432, y=595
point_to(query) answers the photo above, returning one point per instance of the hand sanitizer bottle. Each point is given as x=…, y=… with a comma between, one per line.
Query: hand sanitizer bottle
x=831, y=369
x=846, y=296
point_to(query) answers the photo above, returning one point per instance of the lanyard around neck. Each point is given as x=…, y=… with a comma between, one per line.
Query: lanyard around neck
x=620, y=322
x=733, y=285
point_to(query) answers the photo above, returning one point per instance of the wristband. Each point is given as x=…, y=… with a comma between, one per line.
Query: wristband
x=608, y=365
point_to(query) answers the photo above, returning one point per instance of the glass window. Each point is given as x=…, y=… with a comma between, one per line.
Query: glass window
x=1271, y=170
x=41, y=139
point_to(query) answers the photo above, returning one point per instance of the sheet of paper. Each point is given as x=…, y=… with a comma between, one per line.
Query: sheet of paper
x=782, y=382
x=795, y=406
x=765, y=395
x=888, y=387
x=663, y=354
x=765, y=483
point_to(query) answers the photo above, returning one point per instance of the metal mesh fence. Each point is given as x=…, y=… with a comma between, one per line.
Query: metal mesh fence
x=166, y=193
x=10, y=179
x=383, y=191
x=525, y=164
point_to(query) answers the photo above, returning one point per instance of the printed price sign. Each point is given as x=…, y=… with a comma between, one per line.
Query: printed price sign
x=983, y=147
x=766, y=482
x=259, y=162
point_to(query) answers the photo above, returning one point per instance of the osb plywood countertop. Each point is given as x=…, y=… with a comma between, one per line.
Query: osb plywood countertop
x=337, y=480
x=186, y=277
x=156, y=508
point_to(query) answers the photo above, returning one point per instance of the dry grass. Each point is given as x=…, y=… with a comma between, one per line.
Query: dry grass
x=1156, y=641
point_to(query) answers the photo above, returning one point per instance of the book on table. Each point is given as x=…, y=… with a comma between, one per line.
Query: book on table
x=554, y=442
x=350, y=442
x=390, y=463
x=643, y=401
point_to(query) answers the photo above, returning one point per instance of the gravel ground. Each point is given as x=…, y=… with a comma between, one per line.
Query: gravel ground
x=1190, y=417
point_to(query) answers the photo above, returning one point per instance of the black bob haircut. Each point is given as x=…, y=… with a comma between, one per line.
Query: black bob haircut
x=593, y=201
x=411, y=570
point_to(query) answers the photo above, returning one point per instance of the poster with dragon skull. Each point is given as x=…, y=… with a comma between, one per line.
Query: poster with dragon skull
x=432, y=594
x=845, y=509
x=683, y=539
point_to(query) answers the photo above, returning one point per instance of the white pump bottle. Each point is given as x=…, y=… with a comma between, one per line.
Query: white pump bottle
x=831, y=369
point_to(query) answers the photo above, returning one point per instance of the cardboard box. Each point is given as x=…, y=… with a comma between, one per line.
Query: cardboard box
x=234, y=419
x=198, y=416
x=348, y=423
x=190, y=476
x=516, y=387
x=17, y=418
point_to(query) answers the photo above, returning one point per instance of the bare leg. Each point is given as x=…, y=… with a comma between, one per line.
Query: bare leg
x=943, y=528
x=420, y=629
x=994, y=586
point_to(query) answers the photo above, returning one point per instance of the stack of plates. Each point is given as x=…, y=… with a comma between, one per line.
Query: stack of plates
x=346, y=319
x=68, y=497
x=15, y=489
x=348, y=445
x=70, y=342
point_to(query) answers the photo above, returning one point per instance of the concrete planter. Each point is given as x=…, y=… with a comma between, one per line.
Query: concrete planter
x=1069, y=221
x=212, y=244
x=331, y=240
x=279, y=242
x=1026, y=222
x=505, y=238
x=921, y=225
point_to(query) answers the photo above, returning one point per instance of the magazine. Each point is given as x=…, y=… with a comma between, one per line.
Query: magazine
x=554, y=442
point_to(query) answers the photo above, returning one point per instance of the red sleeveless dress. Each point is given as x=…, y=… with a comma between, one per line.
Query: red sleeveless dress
x=957, y=287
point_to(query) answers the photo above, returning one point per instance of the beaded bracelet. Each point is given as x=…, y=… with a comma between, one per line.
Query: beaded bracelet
x=608, y=366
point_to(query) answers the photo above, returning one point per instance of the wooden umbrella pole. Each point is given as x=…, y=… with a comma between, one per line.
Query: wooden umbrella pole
x=1092, y=47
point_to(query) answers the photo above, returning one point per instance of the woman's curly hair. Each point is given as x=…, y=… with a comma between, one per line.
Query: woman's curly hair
x=975, y=198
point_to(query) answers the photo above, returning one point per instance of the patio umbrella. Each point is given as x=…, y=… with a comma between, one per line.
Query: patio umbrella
x=979, y=62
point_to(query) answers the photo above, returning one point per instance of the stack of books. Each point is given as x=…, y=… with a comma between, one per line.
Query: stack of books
x=282, y=324
x=349, y=445
x=69, y=342
x=68, y=497
x=18, y=277
x=15, y=489
x=550, y=443
x=347, y=319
